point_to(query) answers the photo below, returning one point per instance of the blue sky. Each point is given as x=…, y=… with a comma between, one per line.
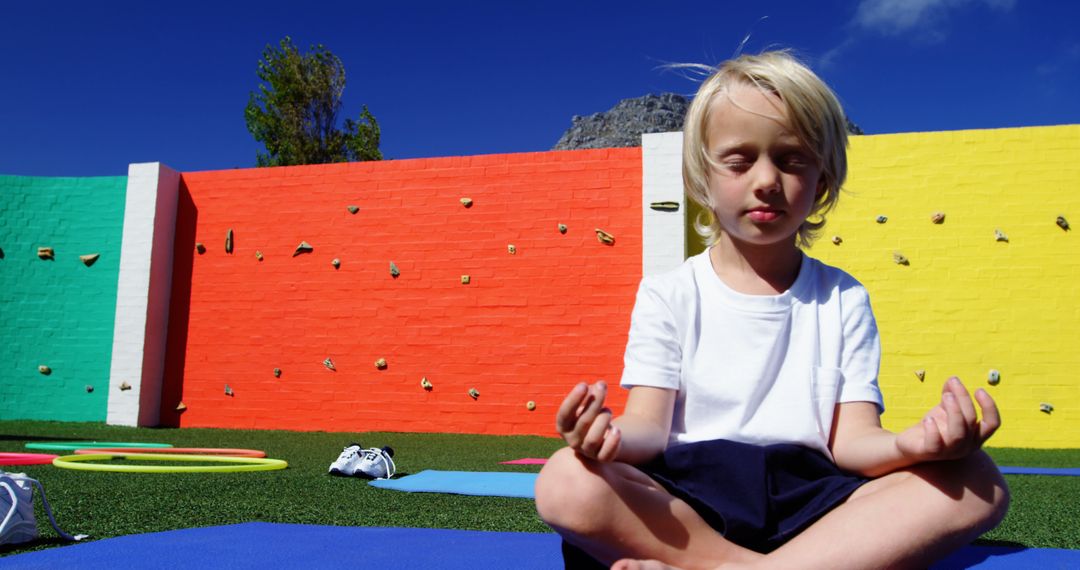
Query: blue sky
x=88, y=87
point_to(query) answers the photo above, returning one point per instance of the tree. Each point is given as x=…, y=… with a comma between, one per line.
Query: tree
x=295, y=112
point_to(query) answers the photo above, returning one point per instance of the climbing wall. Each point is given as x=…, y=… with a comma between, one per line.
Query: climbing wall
x=59, y=259
x=966, y=243
x=463, y=294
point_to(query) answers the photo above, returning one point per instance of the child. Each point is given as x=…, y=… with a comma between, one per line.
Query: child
x=751, y=434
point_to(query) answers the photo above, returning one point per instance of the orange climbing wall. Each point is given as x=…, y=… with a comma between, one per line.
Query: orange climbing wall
x=527, y=327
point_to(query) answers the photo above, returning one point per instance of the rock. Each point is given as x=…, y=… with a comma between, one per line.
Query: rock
x=623, y=124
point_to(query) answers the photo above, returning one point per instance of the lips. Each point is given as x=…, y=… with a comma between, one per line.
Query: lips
x=763, y=214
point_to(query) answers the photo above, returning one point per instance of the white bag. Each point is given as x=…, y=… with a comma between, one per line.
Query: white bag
x=17, y=508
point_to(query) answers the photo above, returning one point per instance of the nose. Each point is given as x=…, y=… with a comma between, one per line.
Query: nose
x=766, y=177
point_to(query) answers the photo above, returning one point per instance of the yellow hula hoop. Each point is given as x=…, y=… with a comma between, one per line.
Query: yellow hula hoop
x=238, y=464
x=215, y=451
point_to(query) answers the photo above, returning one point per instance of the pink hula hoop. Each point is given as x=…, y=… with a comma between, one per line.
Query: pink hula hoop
x=223, y=451
x=26, y=458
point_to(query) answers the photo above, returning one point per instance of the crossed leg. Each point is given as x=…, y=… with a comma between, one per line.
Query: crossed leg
x=906, y=519
x=614, y=511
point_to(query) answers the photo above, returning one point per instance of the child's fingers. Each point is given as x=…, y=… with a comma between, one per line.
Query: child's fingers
x=594, y=437
x=566, y=417
x=967, y=407
x=955, y=426
x=593, y=403
x=991, y=418
x=610, y=448
x=932, y=440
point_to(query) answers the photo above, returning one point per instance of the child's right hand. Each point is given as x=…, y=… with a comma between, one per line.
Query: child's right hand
x=585, y=423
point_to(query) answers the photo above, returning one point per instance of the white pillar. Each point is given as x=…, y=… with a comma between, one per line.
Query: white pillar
x=663, y=232
x=143, y=292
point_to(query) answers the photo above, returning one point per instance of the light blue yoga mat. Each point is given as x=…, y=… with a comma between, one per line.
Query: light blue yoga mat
x=483, y=483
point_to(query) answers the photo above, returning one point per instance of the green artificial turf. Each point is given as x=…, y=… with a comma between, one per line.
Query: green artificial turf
x=1043, y=513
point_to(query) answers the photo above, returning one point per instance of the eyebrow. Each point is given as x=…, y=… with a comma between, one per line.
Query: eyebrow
x=786, y=142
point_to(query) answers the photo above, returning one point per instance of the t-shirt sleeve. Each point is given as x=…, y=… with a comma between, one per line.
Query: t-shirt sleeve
x=653, y=355
x=861, y=357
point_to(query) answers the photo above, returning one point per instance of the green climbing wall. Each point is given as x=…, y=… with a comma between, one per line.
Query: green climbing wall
x=58, y=313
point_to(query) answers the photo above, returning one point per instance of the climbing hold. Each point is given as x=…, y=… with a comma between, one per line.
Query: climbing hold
x=89, y=258
x=258, y=255
x=993, y=377
x=181, y=407
x=380, y=364
x=1063, y=223
x=562, y=228
x=228, y=390
x=465, y=279
x=304, y=247
x=228, y=241
x=938, y=217
x=881, y=219
x=352, y=209
x=511, y=248
x=124, y=386
x=394, y=272
x=604, y=237
x=1046, y=407
x=665, y=206
x=329, y=364
x=467, y=202
x=277, y=373
x=474, y=393
x=45, y=252
x=44, y=370
x=89, y=388
x=336, y=263
x=920, y=374
x=900, y=259
x=837, y=240
x=199, y=247
x=530, y=405
x=425, y=384
x=1000, y=236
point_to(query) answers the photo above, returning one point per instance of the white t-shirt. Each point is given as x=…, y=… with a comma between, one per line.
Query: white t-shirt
x=759, y=369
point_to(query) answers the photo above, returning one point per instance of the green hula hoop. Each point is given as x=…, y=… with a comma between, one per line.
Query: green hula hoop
x=238, y=464
x=73, y=445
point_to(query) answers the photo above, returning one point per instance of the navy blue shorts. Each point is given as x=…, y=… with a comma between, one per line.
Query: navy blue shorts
x=756, y=496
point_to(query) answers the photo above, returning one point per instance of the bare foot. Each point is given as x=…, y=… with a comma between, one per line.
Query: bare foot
x=628, y=564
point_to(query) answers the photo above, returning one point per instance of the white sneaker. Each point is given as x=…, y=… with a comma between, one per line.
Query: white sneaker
x=376, y=463
x=347, y=462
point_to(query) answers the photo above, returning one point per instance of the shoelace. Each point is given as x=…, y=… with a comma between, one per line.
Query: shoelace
x=348, y=453
x=374, y=455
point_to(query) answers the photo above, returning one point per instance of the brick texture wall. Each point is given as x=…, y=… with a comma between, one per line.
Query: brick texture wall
x=57, y=313
x=967, y=303
x=526, y=328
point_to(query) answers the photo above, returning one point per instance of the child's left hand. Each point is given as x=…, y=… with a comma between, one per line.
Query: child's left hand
x=951, y=429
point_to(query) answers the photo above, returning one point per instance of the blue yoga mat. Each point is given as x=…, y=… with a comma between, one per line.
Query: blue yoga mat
x=1010, y=558
x=1040, y=471
x=484, y=483
x=264, y=545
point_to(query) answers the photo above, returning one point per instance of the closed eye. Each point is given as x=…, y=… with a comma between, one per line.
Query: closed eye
x=795, y=161
x=737, y=165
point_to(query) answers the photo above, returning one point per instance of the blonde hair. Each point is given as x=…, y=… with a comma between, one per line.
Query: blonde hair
x=816, y=117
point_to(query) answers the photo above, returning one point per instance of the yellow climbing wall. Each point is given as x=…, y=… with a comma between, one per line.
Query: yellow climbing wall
x=967, y=302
